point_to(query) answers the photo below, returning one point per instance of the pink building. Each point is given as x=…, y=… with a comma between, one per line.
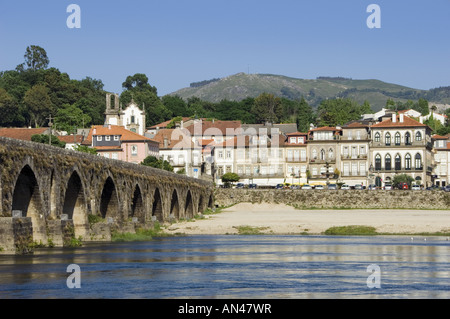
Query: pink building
x=116, y=142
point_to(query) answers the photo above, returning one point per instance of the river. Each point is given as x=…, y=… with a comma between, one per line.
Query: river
x=235, y=267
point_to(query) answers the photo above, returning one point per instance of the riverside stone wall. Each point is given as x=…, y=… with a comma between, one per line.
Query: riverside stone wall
x=339, y=199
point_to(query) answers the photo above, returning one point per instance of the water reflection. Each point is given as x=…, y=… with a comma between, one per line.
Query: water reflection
x=235, y=267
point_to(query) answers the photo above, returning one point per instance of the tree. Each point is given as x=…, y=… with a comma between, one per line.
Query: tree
x=340, y=111
x=402, y=178
x=85, y=149
x=44, y=139
x=35, y=58
x=8, y=109
x=152, y=161
x=38, y=104
x=267, y=107
x=305, y=116
x=138, y=82
x=69, y=118
x=230, y=178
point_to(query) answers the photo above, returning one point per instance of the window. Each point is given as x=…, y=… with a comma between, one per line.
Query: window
x=132, y=119
x=331, y=154
x=377, y=137
x=408, y=138
x=387, y=162
x=314, y=154
x=408, y=162
x=106, y=155
x=358, y=135
x=303, y=155
x=345, y=151
x=99, y=138
x=378, y=162
x=418, y=136
x=220, y=154
x=387, y=139
x=228, y=154
x=354, y=169
x=180, y=160
x=418, y=162
x=108, y=138
x=397, y=139
x=322, y=154
x=134, y=150
x=116, y=137
x=292, y=140
x=398, y=162
x=314, y=171
x=301, y=140
x=115, y=156
x=290, y=155
x=362, y=169
x=362, y=150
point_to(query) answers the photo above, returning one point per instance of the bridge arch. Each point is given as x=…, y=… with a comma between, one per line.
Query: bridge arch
x=189, y=206
x=201, y=204
x=211, y=201
x=27, y=199
x=175, y=205
x=137, y=204
x=109, y=200
x=157, y=209
x=74, y=204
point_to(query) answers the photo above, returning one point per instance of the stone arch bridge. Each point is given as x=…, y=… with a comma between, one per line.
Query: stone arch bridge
x=60, y=192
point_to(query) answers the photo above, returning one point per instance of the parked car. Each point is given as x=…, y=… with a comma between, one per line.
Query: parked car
x=433, y=188
x=254, y=186
x=306, y=186
x=239, y=185
x=415, y=187
x=388, y=187
x=294, y=186
x=372, y=187
x=345, y=186
x=332, y=186
x=279, y=186
x=358, y=187
x=447, y=188
x=319, y=187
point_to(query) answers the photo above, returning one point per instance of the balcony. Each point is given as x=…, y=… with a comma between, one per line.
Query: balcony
x=320, y=161
x=354, y=157
x=400, y=171
x=296, y=159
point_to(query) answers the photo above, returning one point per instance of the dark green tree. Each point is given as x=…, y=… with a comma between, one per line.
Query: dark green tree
x=230, y=178
x=35, y=58
x=44, y=139
x=267, y=107
x=152, y=161
x=38, y=104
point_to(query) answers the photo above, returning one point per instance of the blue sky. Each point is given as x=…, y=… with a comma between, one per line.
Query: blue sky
x=178, y=42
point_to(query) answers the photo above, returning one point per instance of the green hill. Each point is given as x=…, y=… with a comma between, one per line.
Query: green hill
x=240, y=86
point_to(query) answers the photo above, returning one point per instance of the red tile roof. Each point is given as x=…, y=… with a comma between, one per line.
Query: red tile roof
x=24, y=134
x=125, y=135
x=407, y=122
x=164, y=124
x=219, y=126
x=176, y=138
x=325, y=128
x=69, y=139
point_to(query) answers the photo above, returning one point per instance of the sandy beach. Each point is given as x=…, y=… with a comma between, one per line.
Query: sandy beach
x=282, y=219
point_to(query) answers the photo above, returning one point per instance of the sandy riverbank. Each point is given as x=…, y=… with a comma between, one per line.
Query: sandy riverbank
x=282, y=219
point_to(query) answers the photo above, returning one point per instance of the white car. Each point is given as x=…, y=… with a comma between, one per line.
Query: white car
x=319, y=187
x=345, y=186
x=415, y=187
x=306, y=186
x=388, y=187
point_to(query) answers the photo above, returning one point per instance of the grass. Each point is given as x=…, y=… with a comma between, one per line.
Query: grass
x=250, y=230
x=140, y=235
x=353, y=230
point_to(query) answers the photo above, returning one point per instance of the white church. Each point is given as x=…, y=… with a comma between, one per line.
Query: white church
x=131, y=117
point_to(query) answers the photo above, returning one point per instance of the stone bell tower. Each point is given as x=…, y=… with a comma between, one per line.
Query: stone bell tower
x=113, y=112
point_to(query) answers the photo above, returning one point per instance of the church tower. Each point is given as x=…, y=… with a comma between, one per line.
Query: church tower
x=113, y=113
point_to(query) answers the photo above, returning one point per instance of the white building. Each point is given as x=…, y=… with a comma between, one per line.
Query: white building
x=442, y=160
x=132, y=117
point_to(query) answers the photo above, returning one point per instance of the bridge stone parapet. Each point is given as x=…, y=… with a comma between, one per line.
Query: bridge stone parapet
x=51, y=186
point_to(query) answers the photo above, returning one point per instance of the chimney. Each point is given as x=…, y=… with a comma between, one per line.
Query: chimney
x=94, y=131
x=166, y=142
x=394, y=118
x=402, y=118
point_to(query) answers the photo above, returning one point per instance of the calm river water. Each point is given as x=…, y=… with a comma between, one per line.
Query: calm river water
x=231, y=267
